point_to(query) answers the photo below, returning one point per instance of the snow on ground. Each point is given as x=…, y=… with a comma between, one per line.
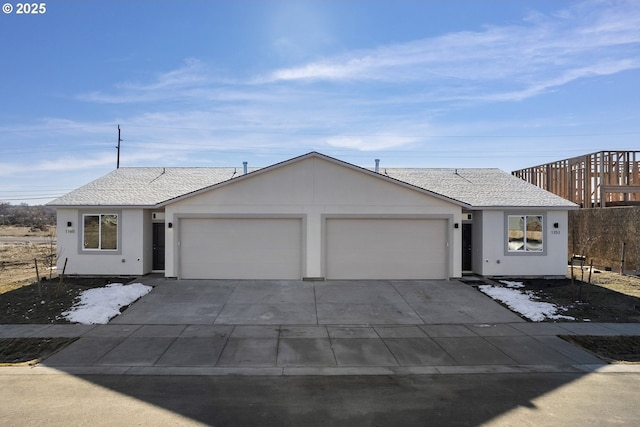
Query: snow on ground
x=98, y=305
x=524, y=302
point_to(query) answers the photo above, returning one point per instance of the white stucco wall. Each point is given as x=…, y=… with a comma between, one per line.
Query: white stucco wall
x=316, y=189
x=134, y=244
x=491, y=258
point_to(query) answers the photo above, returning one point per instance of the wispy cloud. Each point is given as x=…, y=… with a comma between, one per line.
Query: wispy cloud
x=189, y=75
x=543, y=52
x=499, y=63
x=345, y=101
x=370, y=143
x=183, y=82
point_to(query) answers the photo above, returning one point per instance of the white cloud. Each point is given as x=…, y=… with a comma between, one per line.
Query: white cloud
x=183, y=82
x=400, y=90
x=369, y=143
x=542, y=53
x=190, y=74
x=496, y=64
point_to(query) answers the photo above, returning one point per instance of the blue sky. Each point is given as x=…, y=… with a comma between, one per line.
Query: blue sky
x=506, y=84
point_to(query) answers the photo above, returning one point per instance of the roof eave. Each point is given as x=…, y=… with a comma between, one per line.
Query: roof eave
x=104, y=206
x=537, y=207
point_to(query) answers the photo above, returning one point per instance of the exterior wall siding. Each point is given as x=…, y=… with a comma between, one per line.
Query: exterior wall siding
x=495, y=262
x=129, y=260
x=315, y=189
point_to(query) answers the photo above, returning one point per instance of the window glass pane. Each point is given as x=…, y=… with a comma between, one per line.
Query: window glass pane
x=534, y=233
x=516, y=233
x=109, y=232
x=91, y=230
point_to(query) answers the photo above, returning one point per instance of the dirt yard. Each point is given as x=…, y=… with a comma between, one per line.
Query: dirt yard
x=19, y=246
x=610, y=297
x=44, y=304
x=22, y=298
x=625, y=350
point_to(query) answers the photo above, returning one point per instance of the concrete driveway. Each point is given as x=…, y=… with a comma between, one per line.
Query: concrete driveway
x=206, y=327
x=286, y=302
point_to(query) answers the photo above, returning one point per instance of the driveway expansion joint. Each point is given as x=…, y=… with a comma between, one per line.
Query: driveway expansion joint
x=357, y=328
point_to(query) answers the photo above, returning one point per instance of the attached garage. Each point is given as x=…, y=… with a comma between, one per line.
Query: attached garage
x=311, y=217
x=240, y=248
x=390, y=248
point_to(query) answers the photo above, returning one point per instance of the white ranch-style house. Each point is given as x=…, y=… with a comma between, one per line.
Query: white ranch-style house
x=312, y=217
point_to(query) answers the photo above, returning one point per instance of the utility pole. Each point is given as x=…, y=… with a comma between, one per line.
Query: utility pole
x=118, y=147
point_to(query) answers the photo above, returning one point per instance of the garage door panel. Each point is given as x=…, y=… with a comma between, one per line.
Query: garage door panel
x=247, y=248
x=386, y=249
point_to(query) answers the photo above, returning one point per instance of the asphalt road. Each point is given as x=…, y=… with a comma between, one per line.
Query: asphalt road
x=554, y=399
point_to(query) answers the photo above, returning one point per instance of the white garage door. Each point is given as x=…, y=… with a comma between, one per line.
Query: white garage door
x=246, y=248
x=386, y=249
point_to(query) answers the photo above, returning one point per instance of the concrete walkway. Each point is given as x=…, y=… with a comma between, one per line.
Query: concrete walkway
x=318, y=328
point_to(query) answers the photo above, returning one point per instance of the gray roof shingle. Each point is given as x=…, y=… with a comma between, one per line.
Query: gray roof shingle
x=153, y=186
x=144, y=186
x=479, y=187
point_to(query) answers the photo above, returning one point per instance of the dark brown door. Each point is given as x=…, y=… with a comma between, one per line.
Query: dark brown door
x=467, y=265
x=158, y=246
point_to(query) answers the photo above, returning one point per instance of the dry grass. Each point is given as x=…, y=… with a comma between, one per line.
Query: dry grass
x=13, y=231
x=624, y=284
x=17, y=267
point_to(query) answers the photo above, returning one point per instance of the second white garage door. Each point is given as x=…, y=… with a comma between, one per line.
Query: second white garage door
x=240, y=248
x=359, y=248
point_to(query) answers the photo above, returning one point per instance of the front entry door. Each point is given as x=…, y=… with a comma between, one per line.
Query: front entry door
x=467, y=265
x=158, y=245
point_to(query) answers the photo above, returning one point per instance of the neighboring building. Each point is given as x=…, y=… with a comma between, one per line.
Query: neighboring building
x=605, y=178
x=312, y=217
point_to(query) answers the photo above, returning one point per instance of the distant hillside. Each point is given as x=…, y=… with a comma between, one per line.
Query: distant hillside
x=35, y=217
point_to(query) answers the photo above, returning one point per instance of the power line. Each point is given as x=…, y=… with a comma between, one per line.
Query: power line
x=327, y=133
x=32, y=193
x=30, y=198
x=47, y=129
x=338, y=133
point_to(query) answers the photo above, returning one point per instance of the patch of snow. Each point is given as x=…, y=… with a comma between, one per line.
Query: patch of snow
x=512, y=284
x=524, y=303
x=99, y=305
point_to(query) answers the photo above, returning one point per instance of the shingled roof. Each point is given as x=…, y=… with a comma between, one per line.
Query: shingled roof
x=155, y=186
x=480, y=187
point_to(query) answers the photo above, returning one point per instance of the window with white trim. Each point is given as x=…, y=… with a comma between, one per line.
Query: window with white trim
x=100, y=232
x=525, y=233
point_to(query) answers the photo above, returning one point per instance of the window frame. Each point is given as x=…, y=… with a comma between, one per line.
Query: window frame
x=525, y=252
x=99, y=250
